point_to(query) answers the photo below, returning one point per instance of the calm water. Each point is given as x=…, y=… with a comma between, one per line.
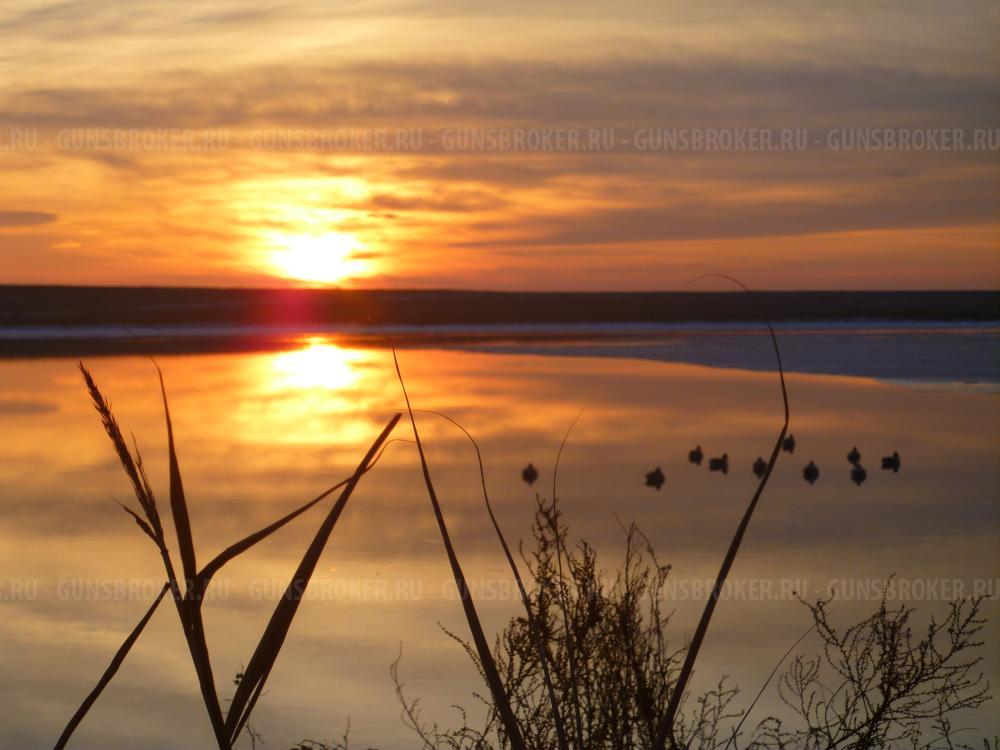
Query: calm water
x=260, y=433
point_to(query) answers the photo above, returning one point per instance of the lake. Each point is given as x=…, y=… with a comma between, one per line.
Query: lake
x=259, y=433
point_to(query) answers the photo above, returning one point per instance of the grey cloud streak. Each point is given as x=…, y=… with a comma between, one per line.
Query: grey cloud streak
x=906, y=207
x=25, y=218
x=698, y=93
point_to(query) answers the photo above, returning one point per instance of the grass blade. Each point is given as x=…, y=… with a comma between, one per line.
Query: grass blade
x=110, y=672
x=560, y=551
x=178, y=503
x=189, y=604
x=543, y=656
x=141, y=523
x=774, y=671
x=478, y=636
x=238, y=548
x=198, y=646
x=665, y=729
x=266, y=653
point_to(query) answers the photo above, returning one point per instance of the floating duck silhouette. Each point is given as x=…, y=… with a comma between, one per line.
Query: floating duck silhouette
x=854, y=457
x=695, y=456
x=810, y=473
x=719, y=464
x=529, y=474
x=891, y=462
x=759, y=467
x=655, y=478
x=788, y=445
x=858, y=474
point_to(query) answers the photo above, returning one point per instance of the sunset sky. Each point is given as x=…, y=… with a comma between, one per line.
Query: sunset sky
x=618, y=218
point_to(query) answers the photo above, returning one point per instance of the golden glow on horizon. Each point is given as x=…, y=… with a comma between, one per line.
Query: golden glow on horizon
x=287, y=179
x=306, y=229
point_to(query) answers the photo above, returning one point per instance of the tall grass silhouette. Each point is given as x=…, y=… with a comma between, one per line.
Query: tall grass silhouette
x=489, y=667
x=665, y=730
x=533, y=625
x=188, y=593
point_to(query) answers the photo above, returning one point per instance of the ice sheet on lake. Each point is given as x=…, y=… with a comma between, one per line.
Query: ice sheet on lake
x=946, y=354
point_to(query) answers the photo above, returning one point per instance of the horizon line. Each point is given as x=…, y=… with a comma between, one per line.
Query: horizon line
x=473, y=290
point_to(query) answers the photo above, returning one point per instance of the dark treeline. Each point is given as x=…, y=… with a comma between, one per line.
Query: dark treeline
x=144, y=306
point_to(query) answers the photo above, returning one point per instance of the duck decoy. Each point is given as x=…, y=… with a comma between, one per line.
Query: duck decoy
x=854, y=457
x=810, y=473
x=655, y=478
x=759, y=467
x=719, y=464
x=788, y=445
x=696, y=456
x=891, y=462
x=529, y=474
x=858, y=474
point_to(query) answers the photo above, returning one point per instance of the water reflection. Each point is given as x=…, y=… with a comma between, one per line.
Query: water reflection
x=319, y=363
x=259, y=433
x=320, y=393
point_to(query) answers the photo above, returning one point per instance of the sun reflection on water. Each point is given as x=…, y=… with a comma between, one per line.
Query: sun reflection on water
x=319, y=364
x=321, y=393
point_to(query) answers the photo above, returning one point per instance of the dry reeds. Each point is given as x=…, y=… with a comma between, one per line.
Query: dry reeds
x=540, y=645
x=665, y=729
x=488, y=665
x=188, y=593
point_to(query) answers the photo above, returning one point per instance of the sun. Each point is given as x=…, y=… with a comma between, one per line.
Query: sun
x=319, y=259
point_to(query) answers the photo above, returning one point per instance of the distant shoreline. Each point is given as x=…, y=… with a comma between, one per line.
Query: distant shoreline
x=52, y=321
x=141, y=307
